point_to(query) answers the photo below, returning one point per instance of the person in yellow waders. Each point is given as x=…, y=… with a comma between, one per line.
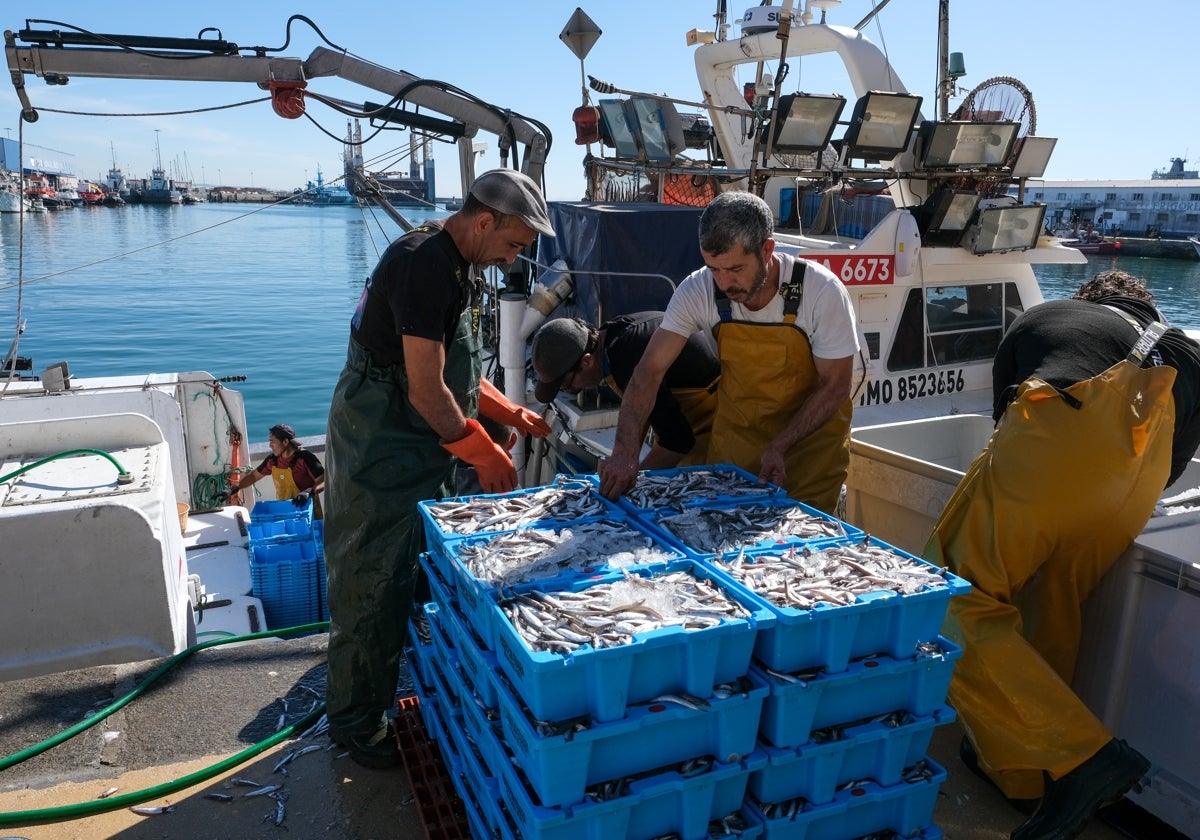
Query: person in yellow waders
x=296, y=473
x=786, y=338
x=1096, y=409
x=571, y=355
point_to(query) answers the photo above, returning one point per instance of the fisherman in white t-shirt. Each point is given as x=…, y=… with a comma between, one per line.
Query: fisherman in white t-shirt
x=787, y=340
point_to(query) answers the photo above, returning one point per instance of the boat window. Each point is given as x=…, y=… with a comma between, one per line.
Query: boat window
x=952, y=325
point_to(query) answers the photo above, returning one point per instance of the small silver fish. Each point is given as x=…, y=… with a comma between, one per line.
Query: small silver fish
x=219, y=797
x=152, y=811
x=108, y=793
x=262, y=791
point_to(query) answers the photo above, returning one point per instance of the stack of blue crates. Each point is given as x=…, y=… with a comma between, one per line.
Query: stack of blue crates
x=754, y=727
x=287, y=563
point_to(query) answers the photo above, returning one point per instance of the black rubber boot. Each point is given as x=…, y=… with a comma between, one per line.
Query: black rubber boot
x=1072, y=800
x=378, y=752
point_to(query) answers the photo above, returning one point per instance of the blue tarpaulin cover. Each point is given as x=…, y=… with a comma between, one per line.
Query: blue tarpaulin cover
x=604, y=241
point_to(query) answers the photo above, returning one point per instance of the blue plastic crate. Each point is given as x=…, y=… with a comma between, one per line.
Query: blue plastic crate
x=603, y=682
x=828, y=636
x=868, y=750
x=273, y=511
x=491, y=518
x=825, y=527
x=420, y=658
x=476, y=597
x=478, y=664
x=741, y=486
x=560, y=767
x=905, y=808
x=476, y=785
x=665, y=803
x=279, y=529
x=318, y=535
x=439, y=589
x=482, y=726
x=800, y=703
x=288, y=578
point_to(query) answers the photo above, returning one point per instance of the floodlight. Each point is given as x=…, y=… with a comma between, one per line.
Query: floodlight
x=805, y=122
x=881, y=124
x=953, y=210
x=659, y=125
x=966, y=145
x=616, y=131
x=1002, y=229
x=1033, y=155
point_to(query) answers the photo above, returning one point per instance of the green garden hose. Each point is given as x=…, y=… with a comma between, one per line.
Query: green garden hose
x=83, y=809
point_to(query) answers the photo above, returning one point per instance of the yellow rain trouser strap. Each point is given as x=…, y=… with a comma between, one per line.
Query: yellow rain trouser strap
x=1044, y=511
x=767, y=372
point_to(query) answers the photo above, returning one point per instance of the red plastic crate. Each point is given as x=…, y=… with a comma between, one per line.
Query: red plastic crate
x=443, y=815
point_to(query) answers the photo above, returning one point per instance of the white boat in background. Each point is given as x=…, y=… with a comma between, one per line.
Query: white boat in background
x=912, y=212
x=11, y=200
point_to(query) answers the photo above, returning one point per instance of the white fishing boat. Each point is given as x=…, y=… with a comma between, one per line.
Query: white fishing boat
x=913, y=212
x=11, y=200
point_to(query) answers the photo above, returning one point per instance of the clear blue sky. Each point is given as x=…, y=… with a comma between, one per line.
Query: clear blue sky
x=1109, y=79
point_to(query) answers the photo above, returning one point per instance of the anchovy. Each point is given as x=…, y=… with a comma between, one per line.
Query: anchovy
x=108, y=793
x=565, y=500
x=219, y=797
x=690, y=487
x=152, y=811
x=611, y=614
x=238, y=780
x=717, y=530
x=293, y=755
x=531, y=554
x=262, y=791
x=801, y=578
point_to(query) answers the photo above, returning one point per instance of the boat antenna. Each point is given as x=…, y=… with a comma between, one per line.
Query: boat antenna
x=784, y=33
x=858, y=26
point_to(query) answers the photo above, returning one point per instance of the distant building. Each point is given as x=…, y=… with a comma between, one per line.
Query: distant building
x=1167, y=204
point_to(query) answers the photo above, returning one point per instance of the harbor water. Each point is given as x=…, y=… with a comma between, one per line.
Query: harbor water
x=266, y=293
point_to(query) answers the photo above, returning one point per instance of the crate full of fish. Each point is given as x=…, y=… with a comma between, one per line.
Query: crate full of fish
x=706, y=531
x=800, y=702
x=684, y=487
x=561, y=760
x=566, y=500
x=482, y=566
x=680, y=800
x=595, y=645
x=860, y=810
x=879, y=748
x=841, y=600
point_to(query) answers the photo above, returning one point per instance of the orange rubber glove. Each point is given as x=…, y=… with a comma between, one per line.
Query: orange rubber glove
x=493, y=404
x=492, y=464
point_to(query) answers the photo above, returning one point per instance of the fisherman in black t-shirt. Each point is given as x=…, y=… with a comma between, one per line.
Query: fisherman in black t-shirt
x=1096, y=403
x=404, y=412
x=571, y=355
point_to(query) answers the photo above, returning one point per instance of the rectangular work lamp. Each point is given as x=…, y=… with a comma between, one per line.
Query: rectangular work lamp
x=805, y=122
x=1002, y=229
x=1033, y=156
x=966, y=145
x=881, y=125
